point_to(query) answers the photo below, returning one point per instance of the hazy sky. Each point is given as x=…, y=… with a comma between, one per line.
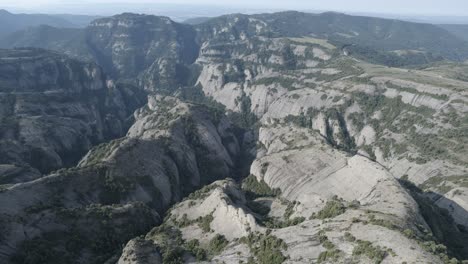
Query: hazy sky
x=419, y=7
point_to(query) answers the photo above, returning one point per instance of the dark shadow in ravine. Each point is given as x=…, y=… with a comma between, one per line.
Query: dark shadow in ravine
x=440, y=220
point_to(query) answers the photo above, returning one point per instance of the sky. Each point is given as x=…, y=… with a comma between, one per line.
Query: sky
x=403, y=7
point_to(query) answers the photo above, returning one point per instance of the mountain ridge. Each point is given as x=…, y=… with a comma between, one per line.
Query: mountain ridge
x=10, y=22
x=382, y=36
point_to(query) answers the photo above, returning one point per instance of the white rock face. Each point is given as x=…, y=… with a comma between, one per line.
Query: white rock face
x=367, y=136
x=230, y=219
x=307, y=170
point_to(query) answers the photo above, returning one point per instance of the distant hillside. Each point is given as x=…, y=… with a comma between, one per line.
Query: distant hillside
x=77, y=20
x=66, y=40
x=196, y=20
x=459, y=30
x=376, y=33
x=10, y=22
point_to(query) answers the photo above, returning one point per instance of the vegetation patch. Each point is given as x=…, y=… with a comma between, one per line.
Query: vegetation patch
x=284, y=82
x=349, y=237
x=368, y=149
x=332, y=208
x=254, y=189
x=266, y=248
x=193, y=247
x=205, y=223
x=444, y=184
x=202, y=193
x=332, y=254
x=98, y=153
x=375, y=253
x=115, y=188
x=341, y=140
x=217, y=244
x=382, y=222
x=275, y=223
x=245, y=118
x=289, y=208
x=169, y=241
x=389, y=84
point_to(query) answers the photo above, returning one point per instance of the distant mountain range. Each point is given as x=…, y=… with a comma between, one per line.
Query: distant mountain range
x=383, y=41
x=10, y=22
x=459, y=30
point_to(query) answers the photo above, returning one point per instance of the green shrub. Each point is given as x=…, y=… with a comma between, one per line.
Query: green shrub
x=183, y=222
x=205, y=222
x=370, y=151
x=366, y=248
x=245, y=119
x=173, y=256
x=202, y=193
x=169, y=241
x=217, y=244
x=266, y=248
x=382, y=222
x=274, y=223
x=341, y=140
x=255, y=189
x=193, y=246
x=115, y=188
x=285, y=82
x=329, y=256
x=332, y=209
x=332, y=253
x=289, y=209
x=349, y=237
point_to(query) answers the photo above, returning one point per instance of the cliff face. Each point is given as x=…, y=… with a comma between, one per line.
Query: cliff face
x=54, y=109
x=152, y=48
